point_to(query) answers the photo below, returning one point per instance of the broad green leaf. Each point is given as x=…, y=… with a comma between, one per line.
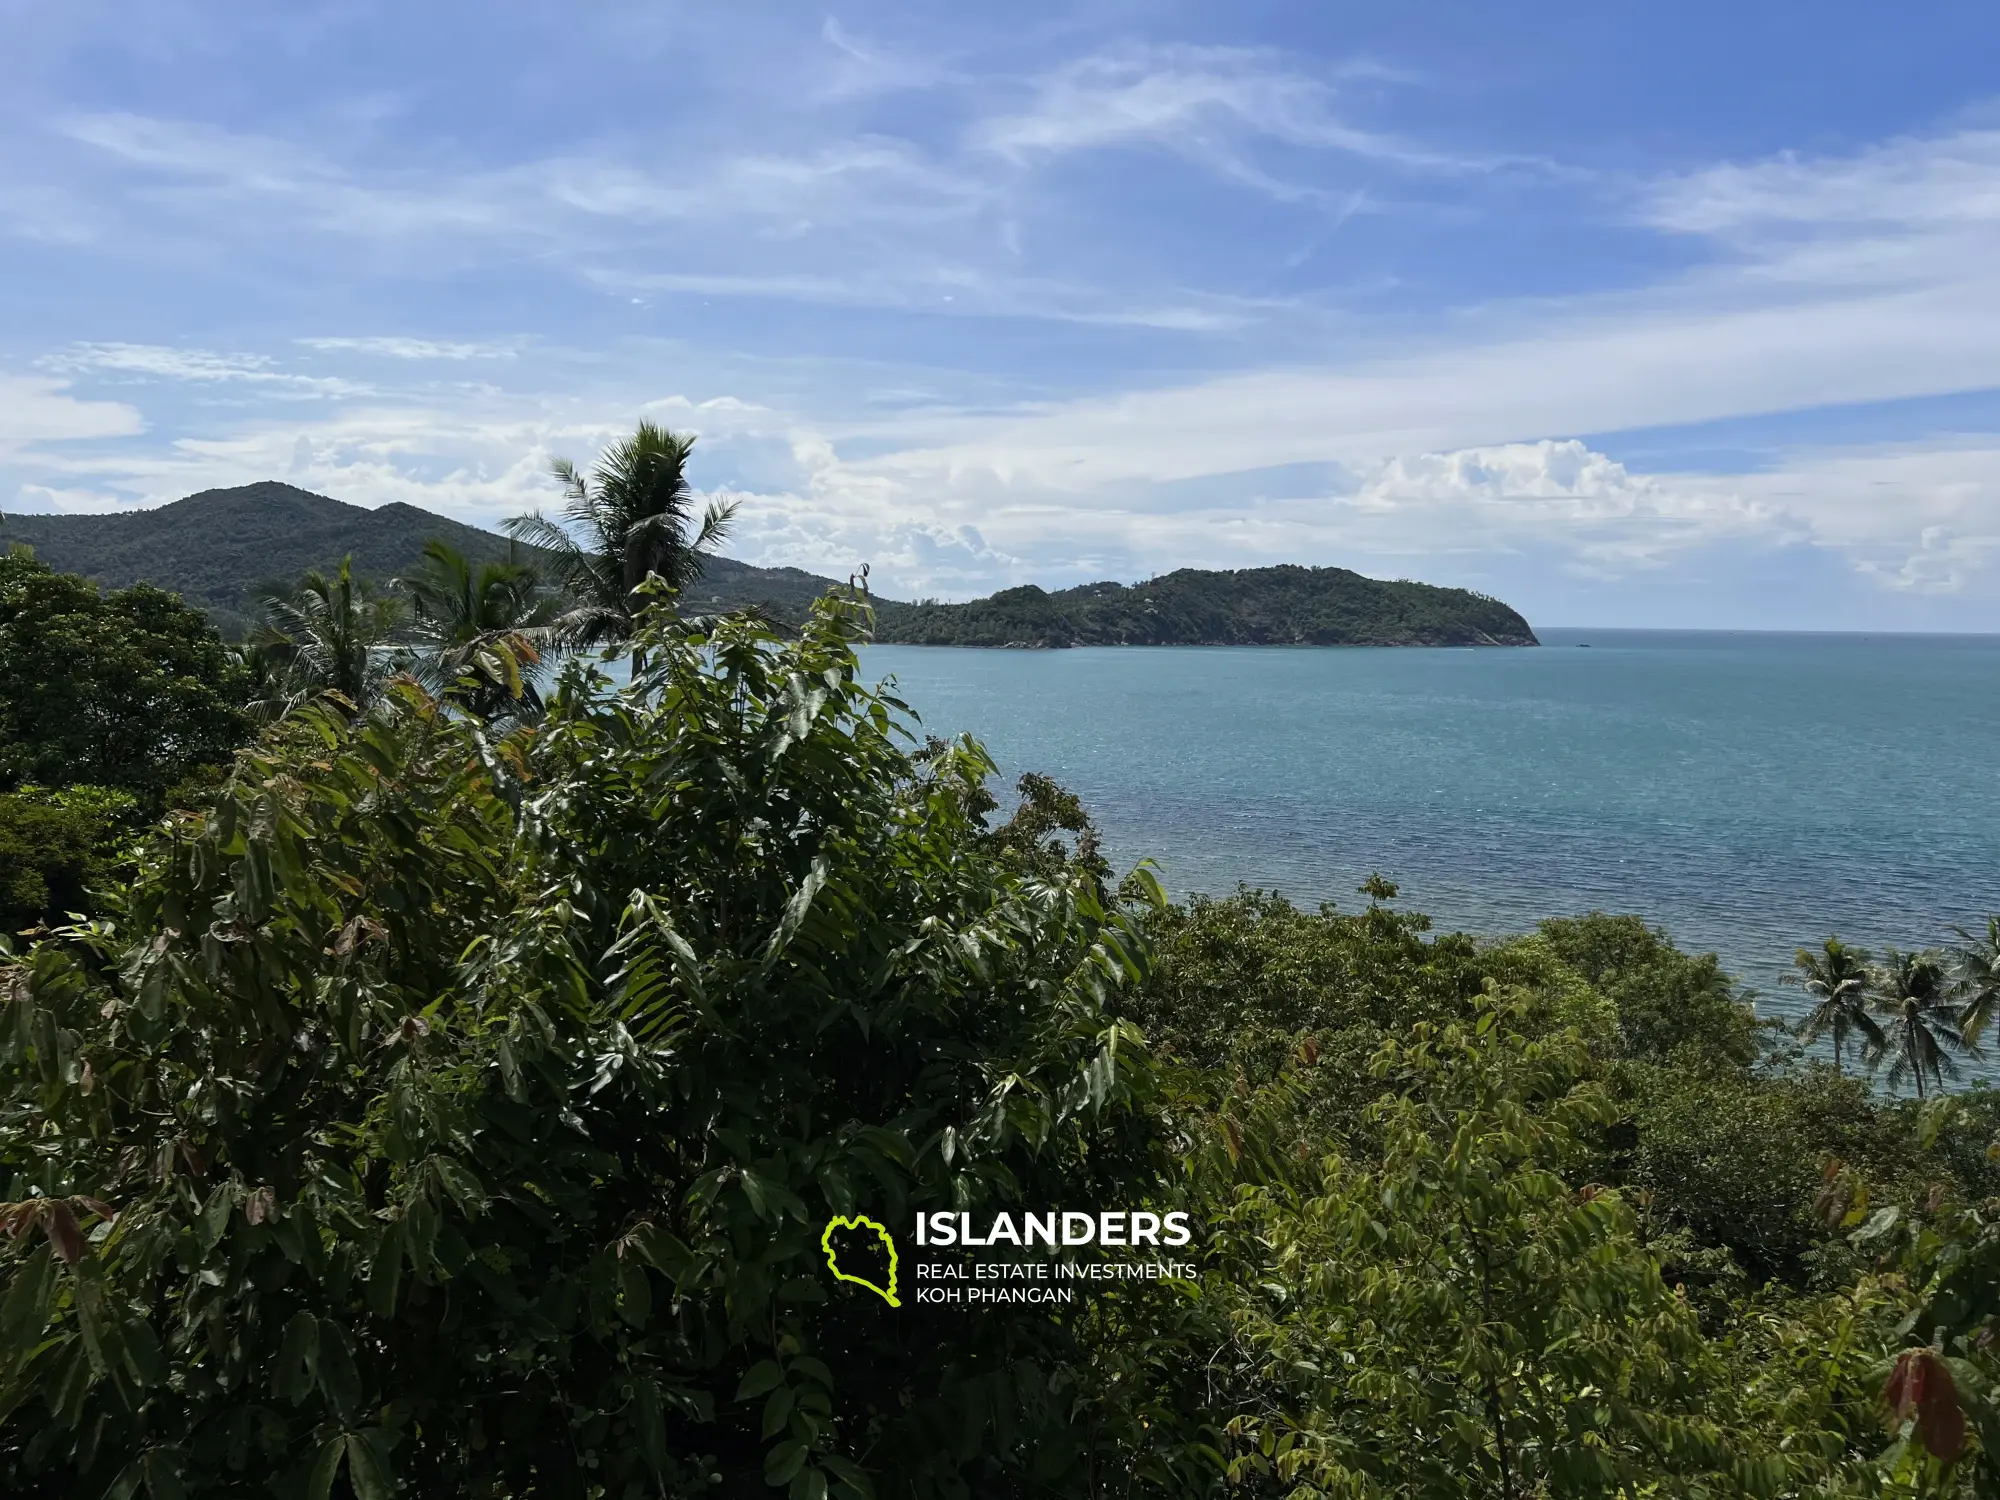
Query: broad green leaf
x=761, y=1377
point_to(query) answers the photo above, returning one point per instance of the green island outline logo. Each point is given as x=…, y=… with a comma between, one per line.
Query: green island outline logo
x=860, y=1221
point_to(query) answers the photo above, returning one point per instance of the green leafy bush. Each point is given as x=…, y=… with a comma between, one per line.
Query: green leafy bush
x=56, y=845
x=464, y=1114
x=130, y=690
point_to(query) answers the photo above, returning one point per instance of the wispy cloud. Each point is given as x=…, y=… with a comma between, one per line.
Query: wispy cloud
x=1913, y=183
x=1194, y=100
x=859, y=67
x=1140, y=302
x=959, y=291
x=393, y=347
x=202, y=366
x=879, y=179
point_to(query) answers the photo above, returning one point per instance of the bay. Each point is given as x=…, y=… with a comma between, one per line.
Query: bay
x=1749, y=792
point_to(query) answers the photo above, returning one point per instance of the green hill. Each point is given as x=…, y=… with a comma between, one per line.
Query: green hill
x=219, y=548
x=1283, y=606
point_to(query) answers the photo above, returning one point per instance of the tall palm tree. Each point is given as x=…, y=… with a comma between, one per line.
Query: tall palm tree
x=1913, y=994
x=630, y=519
x=482, y=631
x=1978, y=965
x=325, y=636
x=1836, y=979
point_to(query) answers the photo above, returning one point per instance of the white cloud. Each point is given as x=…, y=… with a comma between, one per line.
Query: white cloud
x=1912, y=518
x=1210, y=104
x=202, y=366
x=389, y=347
x=1858, y=279
x=35, y=411
x=1903, y=184
x=535, y=201
x=70, y=502
x=1832, y=311
x=960, y=291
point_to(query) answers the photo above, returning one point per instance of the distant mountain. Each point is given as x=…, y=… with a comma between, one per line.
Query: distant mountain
x=218, y=550
x=1283, y=606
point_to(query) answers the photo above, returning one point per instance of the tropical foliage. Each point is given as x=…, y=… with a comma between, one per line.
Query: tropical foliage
x=631, y=518
x=462, y=1113
x=129, y=690
x=480, y=631
x=1836, y=979
x=1978, y=976
x=449, y=1101
x=56, y=846
x=1921, y=1037
x=325, y=637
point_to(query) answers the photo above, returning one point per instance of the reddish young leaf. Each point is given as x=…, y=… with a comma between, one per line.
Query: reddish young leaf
x=59, y=1224
x=1921, y=1384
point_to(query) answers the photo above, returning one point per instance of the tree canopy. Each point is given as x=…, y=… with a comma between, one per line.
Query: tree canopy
x=632, y=517
x=455, y=1104
x=130, y=689
x=463, y=1113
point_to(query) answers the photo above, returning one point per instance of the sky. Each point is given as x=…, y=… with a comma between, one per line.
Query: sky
x=1673, y=316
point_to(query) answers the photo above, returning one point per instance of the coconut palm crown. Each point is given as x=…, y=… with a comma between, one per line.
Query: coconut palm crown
x=1836, y=980
x=1978, y=966
x=1913, y=995
x=482, y=630
x=323, y=636
x=632, y=517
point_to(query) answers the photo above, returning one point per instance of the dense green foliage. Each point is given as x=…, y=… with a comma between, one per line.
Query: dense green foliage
x=630, y=520
x=1283, y=606
x=1379, y=1095
x=481, y=631
x=55, y=846
x=130, y=690
x=451, y=1105
x=326, y=635
x=224, y=549
x=469, y=1110
x=221, y=550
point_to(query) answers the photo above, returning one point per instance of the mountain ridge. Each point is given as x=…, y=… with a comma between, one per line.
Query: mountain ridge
x=220, y=548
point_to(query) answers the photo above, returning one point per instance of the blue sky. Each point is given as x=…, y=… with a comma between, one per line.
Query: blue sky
x=1679, y=315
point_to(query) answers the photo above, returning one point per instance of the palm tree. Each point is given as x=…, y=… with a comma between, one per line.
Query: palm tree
x=1912, y=992
x=325, y=636
x=628, y=521
x=1978, y=964
x=477, y=627
x=1836, y=978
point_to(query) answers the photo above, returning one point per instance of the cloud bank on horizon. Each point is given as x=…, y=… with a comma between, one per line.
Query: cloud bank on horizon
x=1677, y=319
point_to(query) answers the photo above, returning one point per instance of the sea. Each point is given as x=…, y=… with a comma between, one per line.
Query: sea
x=1749, y=792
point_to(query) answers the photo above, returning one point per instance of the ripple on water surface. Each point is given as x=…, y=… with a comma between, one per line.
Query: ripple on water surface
x=1750, y=792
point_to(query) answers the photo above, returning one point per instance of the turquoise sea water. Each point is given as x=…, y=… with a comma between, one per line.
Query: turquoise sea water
x=1749, y=792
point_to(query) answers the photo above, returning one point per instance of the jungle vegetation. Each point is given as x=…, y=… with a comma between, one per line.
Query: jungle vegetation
x=442, y=1094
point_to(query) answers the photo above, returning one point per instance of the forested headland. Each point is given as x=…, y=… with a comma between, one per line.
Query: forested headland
x=224, y=550
x=428, y=1072
x=1281, y=606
